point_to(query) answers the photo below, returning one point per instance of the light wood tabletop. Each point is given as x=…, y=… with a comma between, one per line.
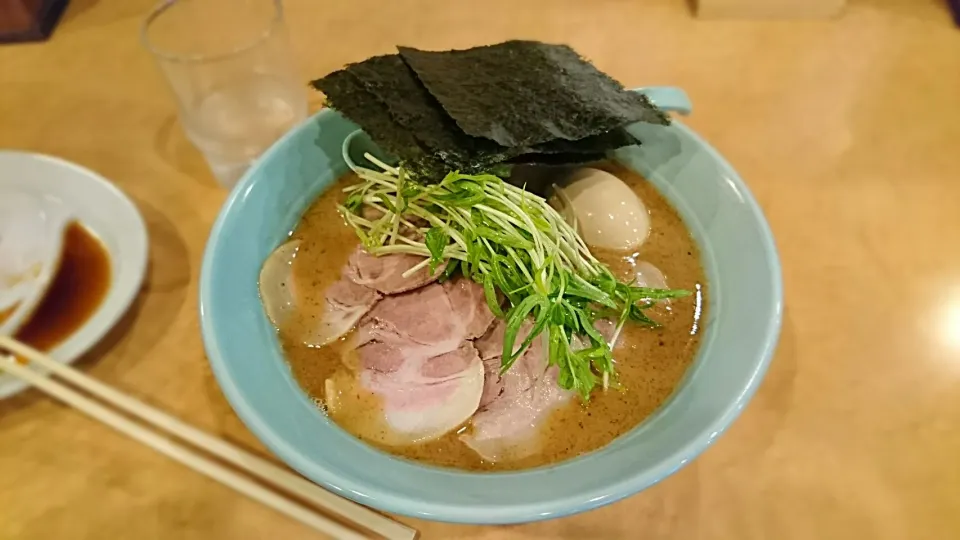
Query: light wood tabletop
x=847, y=131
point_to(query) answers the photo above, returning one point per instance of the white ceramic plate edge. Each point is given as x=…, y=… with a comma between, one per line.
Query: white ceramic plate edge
x=126, y=241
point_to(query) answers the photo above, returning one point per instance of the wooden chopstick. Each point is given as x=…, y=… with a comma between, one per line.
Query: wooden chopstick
x=179, y=453
x=256, y=466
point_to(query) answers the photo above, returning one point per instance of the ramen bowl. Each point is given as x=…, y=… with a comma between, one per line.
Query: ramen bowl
x=740, y=334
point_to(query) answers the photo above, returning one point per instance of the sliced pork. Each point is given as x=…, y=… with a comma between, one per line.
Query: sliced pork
x=648, y=275
x=427, y=397
x=446, y=315
x=468, y=300
x=427, y=373
x=420, y=317
x=608, y=330
x=385, y=273
x=507, y=426
x=344, y=302
x=490, y=347
x=492, y=383
x=490, y=344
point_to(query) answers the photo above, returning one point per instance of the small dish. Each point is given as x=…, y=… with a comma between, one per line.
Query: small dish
x=107, y=214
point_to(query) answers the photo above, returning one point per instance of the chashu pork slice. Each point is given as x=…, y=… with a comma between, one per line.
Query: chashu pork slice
x=425, y=398
x=512, y=411
x=438, y=316
x=385, y=273
x=414, y=353
x=490, y=347
x=423, y=317
x=470, y=305
x=344, y=303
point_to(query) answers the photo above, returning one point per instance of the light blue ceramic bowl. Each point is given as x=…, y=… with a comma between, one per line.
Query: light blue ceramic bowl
x=740, y=335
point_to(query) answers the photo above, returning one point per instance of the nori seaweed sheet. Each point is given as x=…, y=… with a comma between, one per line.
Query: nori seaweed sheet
x=521, y=93
x=388, y=99
x=413, y=107
x=610, y=140
x=346, y=94
x=560, y=158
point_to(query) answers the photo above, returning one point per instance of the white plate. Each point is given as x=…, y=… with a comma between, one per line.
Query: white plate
x=107, y=213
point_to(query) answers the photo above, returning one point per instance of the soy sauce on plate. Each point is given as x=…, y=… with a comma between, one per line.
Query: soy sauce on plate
x=77, y=291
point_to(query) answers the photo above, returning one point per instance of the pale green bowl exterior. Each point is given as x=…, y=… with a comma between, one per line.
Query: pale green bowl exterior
x=740, y=334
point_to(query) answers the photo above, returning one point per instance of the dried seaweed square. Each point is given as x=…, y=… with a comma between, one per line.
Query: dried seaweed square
x=610, y=140
x=347, y=95
x=411, y=106
x=521, y=93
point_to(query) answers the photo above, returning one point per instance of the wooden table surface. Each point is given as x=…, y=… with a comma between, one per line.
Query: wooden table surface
x=847, y=131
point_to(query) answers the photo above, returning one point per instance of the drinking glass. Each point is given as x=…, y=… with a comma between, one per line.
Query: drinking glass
x=229, y=65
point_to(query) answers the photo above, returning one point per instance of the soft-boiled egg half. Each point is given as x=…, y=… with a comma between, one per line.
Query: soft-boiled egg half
x=32, y=230
x=607, y=212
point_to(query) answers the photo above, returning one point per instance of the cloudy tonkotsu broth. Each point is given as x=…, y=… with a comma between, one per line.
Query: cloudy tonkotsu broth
x=650, y=362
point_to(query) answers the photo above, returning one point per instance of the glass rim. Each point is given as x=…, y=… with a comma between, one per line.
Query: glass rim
x=275, y=22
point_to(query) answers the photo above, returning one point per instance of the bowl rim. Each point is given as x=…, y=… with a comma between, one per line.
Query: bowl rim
x=389, y=501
